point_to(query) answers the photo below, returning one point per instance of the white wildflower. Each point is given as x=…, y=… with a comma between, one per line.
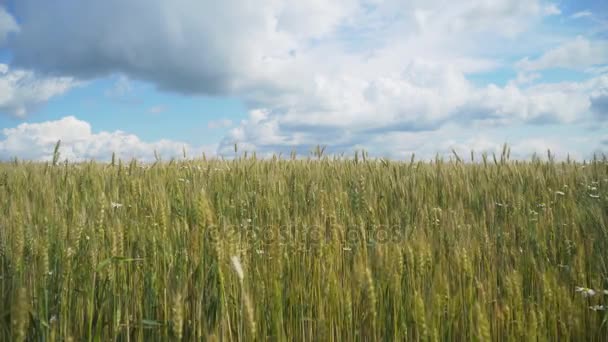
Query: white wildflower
x=346, y=249
x=238, y=268
x=598, y=307
x=259, y=251
x=594, y=196
x=561, y=193
x=116, y=205
x=585, y=291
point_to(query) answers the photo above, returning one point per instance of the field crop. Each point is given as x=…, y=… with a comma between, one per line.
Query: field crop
x=318, y=249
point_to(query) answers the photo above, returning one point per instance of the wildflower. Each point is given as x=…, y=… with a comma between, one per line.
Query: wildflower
x=598, y=307
x=238, y=268
x=347, y=249
x=561, y=193
x=585, y=291
x=116, y=205
x=594, y=196
x=259, y=251
x=183, y=180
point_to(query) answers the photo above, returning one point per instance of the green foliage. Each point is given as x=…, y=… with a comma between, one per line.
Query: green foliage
x=328, y=249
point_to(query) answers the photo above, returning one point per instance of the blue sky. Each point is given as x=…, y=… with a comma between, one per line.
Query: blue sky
x=392, y=77
x=116, y=103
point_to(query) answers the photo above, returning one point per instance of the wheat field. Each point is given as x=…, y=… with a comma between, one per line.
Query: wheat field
x=314, y=249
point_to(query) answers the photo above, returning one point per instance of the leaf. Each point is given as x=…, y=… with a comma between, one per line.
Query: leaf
x=103, y=264
x=107, y=261
x=150, y=323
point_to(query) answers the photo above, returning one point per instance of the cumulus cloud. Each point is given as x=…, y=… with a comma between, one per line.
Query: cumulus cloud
x=523, y=149
x=233, y=46
x=345, y=73
x=575, y=54
x=35, y=141
x=7, y=25
x=22, y=90
x=479, y=140
x=421, y=99
x=599, y=98
x=184, y=45
x=564, y=103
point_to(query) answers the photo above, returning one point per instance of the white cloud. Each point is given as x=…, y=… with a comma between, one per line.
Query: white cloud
x=345, y=73
x=231, y=47
x=523, y=149
x=35, y=141
x=184, y=45
x=564, y=103
x=599, y=98
x=122, y=87
x=579, y=53
x=422, y=99
x=7, y=25
x=524, y=78
x=426, y=145
x=581, y=14
x=21, y=91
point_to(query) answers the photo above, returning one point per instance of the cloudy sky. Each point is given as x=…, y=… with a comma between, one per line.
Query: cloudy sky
x=393, y=77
